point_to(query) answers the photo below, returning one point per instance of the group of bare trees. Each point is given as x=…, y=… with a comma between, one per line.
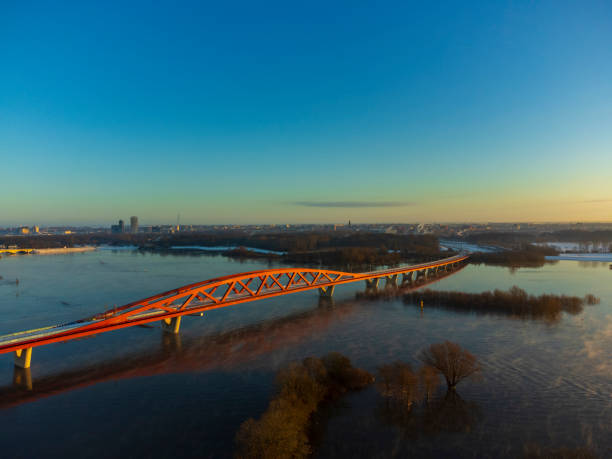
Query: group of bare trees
x=283, y=430
x=400, y=382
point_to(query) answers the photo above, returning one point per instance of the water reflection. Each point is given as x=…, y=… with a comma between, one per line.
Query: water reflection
x=178, y=354
x=447, y=414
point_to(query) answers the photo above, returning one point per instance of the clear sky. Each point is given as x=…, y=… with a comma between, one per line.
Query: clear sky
x=252, y=112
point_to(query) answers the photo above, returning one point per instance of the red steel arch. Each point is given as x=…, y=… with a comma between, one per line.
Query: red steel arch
x=203, y=296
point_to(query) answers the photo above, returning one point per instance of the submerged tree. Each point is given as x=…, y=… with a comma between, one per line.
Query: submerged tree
x=450, y=359
x=398, y=381
x=430, y=380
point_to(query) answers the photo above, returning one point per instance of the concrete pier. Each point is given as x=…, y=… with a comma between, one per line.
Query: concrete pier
x=22, y=378
x=391, y=281
x=23, y=357
x=171, y=343
x=327, y=292
x=171, y=325
x=372, y=283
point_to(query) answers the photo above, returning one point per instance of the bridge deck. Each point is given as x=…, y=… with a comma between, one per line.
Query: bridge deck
x=203, y=296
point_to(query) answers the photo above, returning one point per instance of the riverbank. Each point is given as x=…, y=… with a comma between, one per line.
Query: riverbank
x=599, y=257
x=56, y=251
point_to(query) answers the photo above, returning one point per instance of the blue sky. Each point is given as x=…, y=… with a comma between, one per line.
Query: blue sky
x=251, y=112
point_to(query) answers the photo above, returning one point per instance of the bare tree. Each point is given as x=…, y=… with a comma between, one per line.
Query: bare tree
x=398, y=381
x=430, y=380
x=454, y=362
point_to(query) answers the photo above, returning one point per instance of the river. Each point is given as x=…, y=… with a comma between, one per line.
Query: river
x=138, y=392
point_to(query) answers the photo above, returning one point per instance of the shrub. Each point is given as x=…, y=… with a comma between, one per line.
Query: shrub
x=282, y=430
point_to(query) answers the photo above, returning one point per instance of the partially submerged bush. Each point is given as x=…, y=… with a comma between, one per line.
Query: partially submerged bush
x=282, y=430
x=514, y=302
x=342, y=375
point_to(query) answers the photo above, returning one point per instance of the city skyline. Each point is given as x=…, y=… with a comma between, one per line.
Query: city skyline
x=305, y=114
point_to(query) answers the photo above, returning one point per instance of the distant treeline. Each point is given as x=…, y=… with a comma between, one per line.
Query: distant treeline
x=581, y=236
x=513, y=239
x=281, y=242
x=514, y=302
x=503, y=239
x=72, y=240
x=342, y=248
x=308, y=241
x=338, y=249
x=526, y=255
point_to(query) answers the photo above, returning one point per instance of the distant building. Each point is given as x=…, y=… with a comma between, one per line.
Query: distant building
x=35, y=229
x=133, y=224
x=24, y=230
x=118, y=228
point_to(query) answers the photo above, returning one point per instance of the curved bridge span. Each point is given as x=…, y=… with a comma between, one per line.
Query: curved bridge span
x=170, y=306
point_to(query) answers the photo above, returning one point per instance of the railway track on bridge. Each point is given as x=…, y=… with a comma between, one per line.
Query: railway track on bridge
x=169, y=307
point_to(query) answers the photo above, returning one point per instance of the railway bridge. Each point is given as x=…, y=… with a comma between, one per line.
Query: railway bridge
x=195, y=299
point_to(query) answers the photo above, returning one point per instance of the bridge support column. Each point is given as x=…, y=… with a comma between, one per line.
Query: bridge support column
x=407, y=278
x=327, y=292
x=391, y=281
x=22, y=378
x=23, y=357
x=171, y=325
x=372, y=283
x=171, y=343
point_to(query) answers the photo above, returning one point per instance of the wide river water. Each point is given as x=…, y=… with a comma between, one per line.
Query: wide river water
x=139, y=392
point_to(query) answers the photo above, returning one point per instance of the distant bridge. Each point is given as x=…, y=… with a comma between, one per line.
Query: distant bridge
x=169, y=307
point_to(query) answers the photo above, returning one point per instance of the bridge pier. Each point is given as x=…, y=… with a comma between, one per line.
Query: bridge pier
x=327, y=292
x=407, y=278
x=372, y=283
x=23, y=357
x=171, y=343
x=171, y=325
x=326, y=301
x=22, y=378
x=391, y=281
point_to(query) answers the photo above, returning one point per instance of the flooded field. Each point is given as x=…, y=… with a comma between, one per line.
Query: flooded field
x=140, y=392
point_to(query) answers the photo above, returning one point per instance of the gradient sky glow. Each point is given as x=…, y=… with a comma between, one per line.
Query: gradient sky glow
x=288, y=112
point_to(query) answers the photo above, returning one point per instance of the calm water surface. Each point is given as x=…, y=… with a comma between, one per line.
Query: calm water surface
x=138, y=392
